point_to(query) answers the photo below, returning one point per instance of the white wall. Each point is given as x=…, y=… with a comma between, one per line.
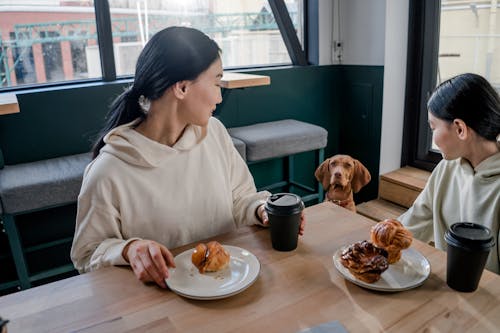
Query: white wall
x=361, y=30
x=396, y=40
x=374, y=32
x=359, y=24
x=325, y=33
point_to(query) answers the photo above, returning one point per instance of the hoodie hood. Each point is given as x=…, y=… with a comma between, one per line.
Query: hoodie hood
x=487, y=170
x=130, y=146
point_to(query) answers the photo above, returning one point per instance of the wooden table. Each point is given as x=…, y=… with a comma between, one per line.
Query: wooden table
x=295, y=290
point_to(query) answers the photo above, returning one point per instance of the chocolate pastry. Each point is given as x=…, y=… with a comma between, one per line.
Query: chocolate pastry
x=365, y=261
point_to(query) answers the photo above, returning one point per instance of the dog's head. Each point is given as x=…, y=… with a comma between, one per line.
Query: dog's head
x=342, y=170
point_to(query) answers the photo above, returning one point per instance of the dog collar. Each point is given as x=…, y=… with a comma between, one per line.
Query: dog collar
x=341, y=203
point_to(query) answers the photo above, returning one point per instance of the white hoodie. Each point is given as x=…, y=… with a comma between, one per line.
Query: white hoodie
x=455, y=192
x=138, y=188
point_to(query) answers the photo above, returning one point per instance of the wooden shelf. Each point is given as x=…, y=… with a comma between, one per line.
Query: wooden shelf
x=8, y=103
x=402, y=186
x=231, y=80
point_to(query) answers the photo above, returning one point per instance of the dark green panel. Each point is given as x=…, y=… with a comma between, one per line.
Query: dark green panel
x=361, y=120
x=55, y=122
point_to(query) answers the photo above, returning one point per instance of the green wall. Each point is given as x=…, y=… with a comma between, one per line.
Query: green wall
x=345, y=100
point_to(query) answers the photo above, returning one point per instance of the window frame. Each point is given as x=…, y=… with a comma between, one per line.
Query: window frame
x=102, y=12
x=421, y=75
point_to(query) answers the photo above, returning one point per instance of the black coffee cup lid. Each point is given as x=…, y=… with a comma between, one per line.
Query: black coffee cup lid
x=472, y=235
x=284, y=204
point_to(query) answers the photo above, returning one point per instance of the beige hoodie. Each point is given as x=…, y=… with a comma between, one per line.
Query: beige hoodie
x=455, y=192
x=139, y=188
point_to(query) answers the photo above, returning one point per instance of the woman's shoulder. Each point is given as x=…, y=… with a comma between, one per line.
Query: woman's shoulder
x=102, y=170
x=216, y=124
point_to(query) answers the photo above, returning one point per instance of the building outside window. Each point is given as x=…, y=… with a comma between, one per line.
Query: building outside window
x=47, y=41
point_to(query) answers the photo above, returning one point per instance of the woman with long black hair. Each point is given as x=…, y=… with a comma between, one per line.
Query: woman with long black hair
x=165, y=172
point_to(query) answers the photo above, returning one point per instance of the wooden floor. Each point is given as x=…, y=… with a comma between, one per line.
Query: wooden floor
x=397, y=192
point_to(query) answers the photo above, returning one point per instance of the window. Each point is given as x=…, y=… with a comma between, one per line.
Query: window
x=245, y=30
x=47, y=41
x=445, y=38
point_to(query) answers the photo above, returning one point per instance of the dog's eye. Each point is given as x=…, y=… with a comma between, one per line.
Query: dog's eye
x=348, y=165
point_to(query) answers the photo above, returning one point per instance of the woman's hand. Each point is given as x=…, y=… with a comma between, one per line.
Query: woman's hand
x=261, y=212
x=149, y=261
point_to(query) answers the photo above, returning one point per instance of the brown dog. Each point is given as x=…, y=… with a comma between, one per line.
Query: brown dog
x=341, y=175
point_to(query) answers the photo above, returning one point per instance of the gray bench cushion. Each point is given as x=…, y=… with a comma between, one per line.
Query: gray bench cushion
x=30, y=186
x=279, y=138
x=240, y=147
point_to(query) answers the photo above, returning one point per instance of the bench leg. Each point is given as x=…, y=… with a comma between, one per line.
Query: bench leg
x=17, y=250
x=320, y=157
x=289, y=172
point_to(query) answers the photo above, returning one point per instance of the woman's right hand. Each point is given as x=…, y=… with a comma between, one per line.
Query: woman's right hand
x=149, y=261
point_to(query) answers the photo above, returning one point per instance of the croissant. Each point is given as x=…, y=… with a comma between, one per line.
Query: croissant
x=210, y=257
x=392, y=236
x=365, y=261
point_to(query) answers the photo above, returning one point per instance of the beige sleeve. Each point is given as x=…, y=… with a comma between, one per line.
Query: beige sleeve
x=419, y=217
x=98, y=241
x=246, y=199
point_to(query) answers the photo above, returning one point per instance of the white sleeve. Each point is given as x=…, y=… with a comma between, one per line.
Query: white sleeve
x=98, y=241
x=419, y=217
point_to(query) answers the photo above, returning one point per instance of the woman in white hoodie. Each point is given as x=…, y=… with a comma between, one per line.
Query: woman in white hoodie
x=464, y=115
x=165, y=172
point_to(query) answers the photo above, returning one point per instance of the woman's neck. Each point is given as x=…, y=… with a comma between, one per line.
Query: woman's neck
x=162, y=123
x=482, y=150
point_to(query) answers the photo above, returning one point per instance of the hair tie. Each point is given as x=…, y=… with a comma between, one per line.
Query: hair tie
x=145, y=104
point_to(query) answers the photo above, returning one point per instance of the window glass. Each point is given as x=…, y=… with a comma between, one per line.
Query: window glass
x=45, y=41
x=469, y=40
x=245, y=30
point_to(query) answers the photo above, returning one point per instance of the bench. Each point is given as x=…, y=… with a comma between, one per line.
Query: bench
x=284, y=139
x=32, y=187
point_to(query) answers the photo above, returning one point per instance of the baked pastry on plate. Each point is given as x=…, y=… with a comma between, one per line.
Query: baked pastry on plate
x=365, y=261
x=392, y=236
x=210, y=257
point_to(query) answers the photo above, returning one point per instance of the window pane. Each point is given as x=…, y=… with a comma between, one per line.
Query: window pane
x=47, y=41
x=245, y=30
x=469, y=40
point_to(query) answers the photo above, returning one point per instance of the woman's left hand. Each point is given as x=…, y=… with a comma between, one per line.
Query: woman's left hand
x=261, y=212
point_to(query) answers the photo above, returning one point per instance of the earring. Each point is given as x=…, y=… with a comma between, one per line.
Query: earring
x=145, y=104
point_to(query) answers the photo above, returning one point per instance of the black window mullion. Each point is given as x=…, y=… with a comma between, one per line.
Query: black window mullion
x=421, y=73
x=287, y=30
x=105, y=39
x=311, y=27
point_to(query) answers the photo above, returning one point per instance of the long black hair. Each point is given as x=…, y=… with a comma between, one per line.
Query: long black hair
x=469, y=97
x=173, y=54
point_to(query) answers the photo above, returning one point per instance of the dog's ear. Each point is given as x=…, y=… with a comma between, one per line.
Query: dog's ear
x=361, y=176
x=322, y=174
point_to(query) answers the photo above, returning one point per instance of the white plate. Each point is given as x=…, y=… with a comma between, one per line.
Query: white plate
x=241, y=273
x=409, y=272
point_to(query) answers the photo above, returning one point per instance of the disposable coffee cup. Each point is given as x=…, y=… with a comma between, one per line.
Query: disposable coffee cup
x=283, y=211
x=469, y=245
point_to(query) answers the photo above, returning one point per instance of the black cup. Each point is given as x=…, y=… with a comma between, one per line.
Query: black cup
x=284, y=210
x=468, y=247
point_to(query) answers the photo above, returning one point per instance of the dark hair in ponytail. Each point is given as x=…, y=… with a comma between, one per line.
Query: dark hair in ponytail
x=173, y=54
x=469, y=97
